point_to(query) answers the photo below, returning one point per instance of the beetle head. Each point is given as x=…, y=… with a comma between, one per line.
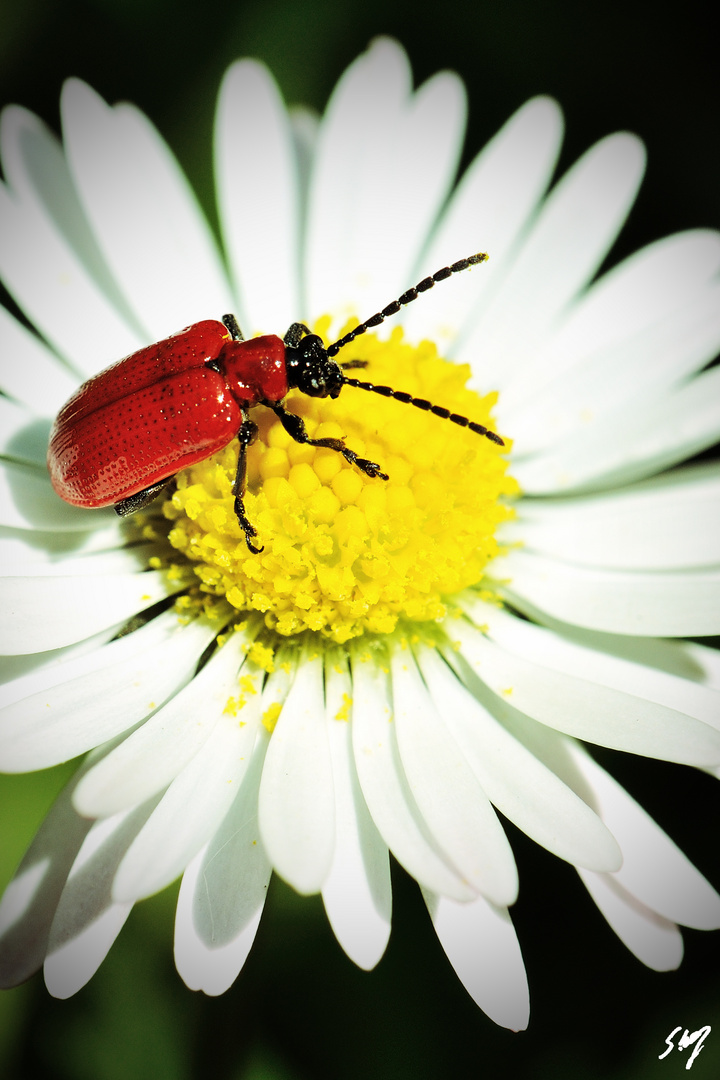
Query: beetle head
x=311, y=370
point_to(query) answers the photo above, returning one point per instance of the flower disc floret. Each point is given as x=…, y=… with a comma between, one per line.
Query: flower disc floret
x=344, y=553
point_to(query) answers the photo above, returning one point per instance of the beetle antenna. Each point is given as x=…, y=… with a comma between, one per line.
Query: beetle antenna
x=426, y=406
x=407, y=298
x=392, y=309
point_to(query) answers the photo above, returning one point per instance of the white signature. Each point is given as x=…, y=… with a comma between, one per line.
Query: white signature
x=686, y=1040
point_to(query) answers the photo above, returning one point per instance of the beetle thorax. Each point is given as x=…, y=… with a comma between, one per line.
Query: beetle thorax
x=254, y=370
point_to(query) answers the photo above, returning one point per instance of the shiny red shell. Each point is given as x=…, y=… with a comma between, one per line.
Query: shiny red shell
x=160, y=410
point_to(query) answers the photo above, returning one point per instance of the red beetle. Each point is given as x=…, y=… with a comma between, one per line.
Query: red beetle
x=123, y=436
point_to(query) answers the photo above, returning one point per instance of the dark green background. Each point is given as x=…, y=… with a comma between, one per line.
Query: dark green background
x=300, y=1009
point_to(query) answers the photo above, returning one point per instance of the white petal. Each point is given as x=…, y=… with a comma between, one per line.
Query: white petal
x=190, y=810
x=705, y=663
x=648, y=364
x=28, y=905
x=591, y=656
x=386, y=789
x=84, y=657
x=655, y=941
x=151, y=757
x=685, y=659
x=577, y=224
x=15, y=669
x=23, y=436
x=255, y=167
x=223, y=893
x=29, y=552
x=481, y=944
x=554, y=751
x=654, y=869
x=57, y=724
x=679, y=423
x=212, y=970
x=487, y=211
x=585, y=709
x=367, y=224
x=49, y=259
x=71, y=965
x=37, y=170
x=47, y=612
x=31, y=373
x=431, y=126
x=34, y=548
x=297, y=809
x=304, y=126
x=198, y=799
x=368, y=98
x=662, y=603
x=101, y=563
x=666, y=284
x=143, y=212
x=27, y=501
x=455, y=808
x=516, y=781
x=357, y=892
x=670, y=522
x=87, y=921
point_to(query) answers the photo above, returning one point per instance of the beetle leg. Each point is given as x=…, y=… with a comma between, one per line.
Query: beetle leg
x=231, y=324
x=141, y=499
x=294, y=333
x=296, y=428
x=246, y=435
x=354, y=363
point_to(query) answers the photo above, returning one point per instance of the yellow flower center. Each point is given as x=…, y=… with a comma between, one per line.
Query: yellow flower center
x=345, y=554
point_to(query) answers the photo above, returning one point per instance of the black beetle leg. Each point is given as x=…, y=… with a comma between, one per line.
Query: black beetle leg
x=141, y=499
x=296, y=428
x=295, y=332
x=246, y=435
x=231, y=324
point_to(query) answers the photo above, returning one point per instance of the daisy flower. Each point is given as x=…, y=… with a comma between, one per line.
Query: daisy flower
x=406, y=659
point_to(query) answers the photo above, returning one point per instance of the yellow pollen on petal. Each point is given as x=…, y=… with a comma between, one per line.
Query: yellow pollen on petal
x=345, y=554
x=262, y=655
x=270, y=717
x=343, y=712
